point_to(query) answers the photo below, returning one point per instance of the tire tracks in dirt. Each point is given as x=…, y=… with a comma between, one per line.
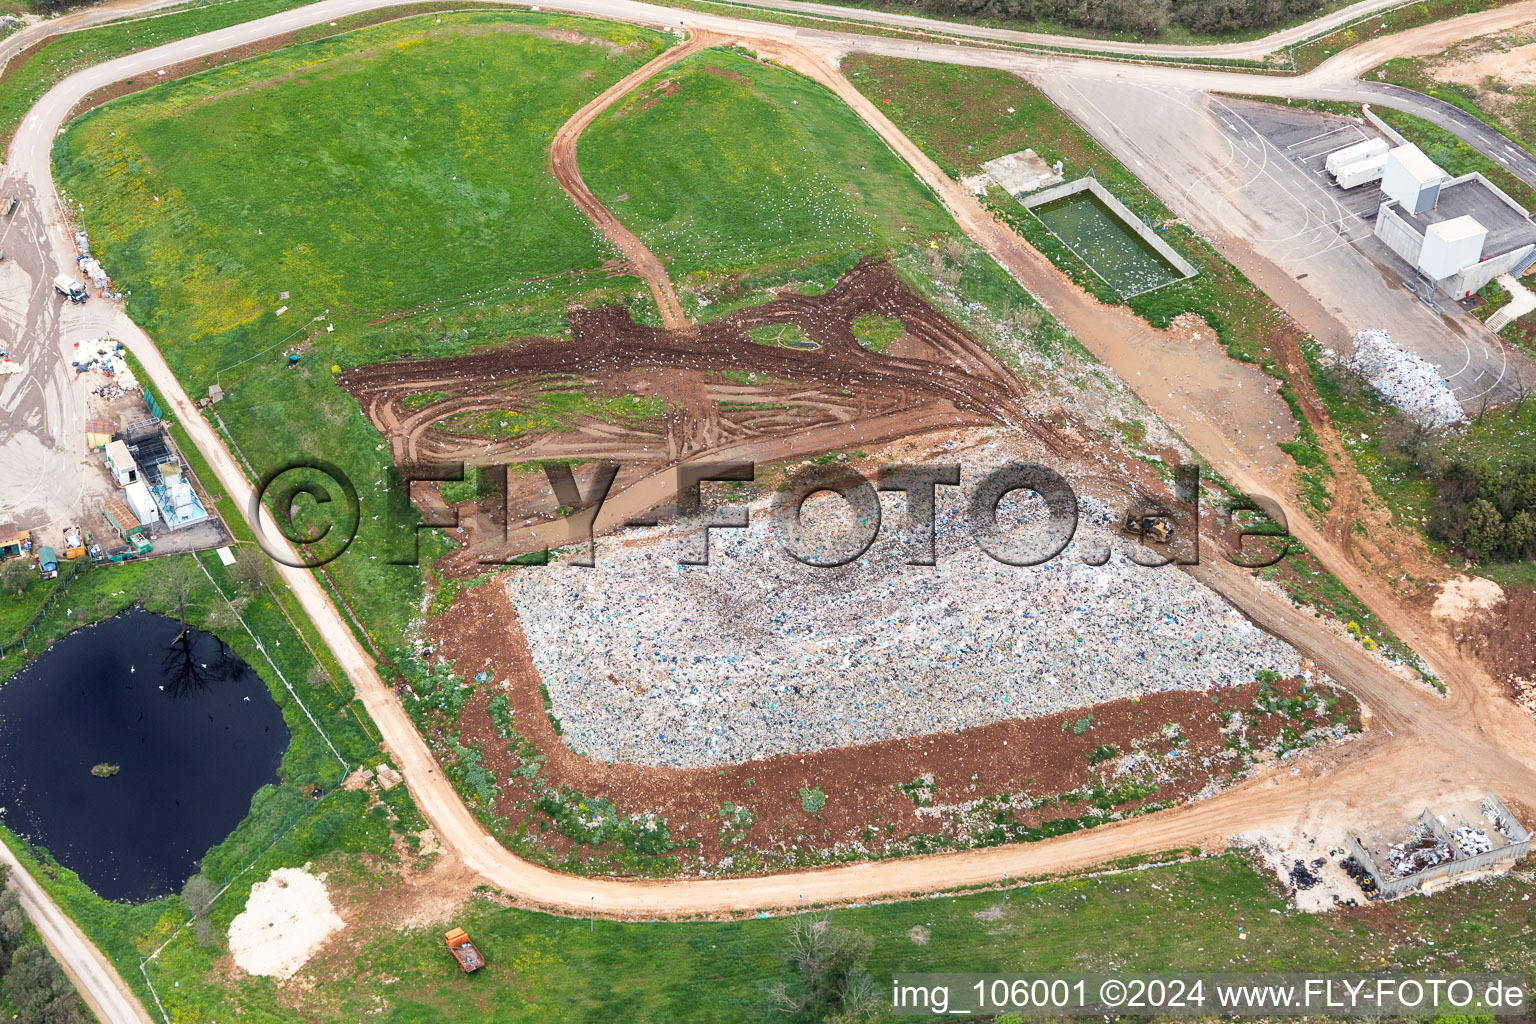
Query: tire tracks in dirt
x=562, y=164
x=1460, y=741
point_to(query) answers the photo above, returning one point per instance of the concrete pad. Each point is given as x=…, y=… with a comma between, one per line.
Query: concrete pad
x=1023, y=171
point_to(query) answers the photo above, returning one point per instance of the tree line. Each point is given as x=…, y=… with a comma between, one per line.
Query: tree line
x=1141, y=17
x=33, y=984
x=1483, y=510
x=1489, y=512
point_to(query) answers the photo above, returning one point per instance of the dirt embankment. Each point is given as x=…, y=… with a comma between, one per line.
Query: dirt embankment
x=1502, y=636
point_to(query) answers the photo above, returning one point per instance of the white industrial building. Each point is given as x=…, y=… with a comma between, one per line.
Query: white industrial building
x=141, y=503
x=120, y=464
x=1457, y=233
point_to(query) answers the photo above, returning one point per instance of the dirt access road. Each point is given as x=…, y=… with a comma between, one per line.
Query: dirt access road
x=1425, y=748
x=94, y=978
x=562, y=164
x=1455, y=726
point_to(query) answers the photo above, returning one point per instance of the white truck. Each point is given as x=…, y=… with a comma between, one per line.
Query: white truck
x=71, y=288
x=1362, y=172
x=1342, y=158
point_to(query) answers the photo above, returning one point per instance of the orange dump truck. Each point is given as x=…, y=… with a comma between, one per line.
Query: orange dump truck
x=464, y=951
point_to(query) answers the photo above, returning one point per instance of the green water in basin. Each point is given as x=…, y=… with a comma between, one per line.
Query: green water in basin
x=1110, y=246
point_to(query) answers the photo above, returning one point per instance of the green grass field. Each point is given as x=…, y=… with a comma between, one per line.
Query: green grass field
x=30, y=75
x=398, y=167
x=393, y=182
x=1211, y=915
x=733, y=165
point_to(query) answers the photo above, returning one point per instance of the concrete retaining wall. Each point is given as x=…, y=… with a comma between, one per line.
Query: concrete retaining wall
x=1474, y=277
x=1391, y=133
x=1120, y=210
x=1398, y=234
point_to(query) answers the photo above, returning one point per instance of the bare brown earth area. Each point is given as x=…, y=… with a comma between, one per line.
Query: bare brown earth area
x=1504, y=638
x=882, y=799
x=724, y=395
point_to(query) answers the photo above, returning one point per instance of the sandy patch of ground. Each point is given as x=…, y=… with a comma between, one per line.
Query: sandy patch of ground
x=1463, y=596
x=1513, y=67
x=1308, y=870
x=1190, y=328
x=285, y=922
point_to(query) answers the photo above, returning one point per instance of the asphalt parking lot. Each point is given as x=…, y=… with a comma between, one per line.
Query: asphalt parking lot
x=1249, y=175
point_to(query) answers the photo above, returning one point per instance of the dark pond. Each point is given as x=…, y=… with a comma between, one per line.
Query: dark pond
x=191, y=728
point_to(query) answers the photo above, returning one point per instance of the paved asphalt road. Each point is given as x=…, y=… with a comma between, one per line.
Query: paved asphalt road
x=1474, y=132
x=1247, y=49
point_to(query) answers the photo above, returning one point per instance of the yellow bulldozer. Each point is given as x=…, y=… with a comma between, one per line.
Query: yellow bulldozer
x=1156, y=528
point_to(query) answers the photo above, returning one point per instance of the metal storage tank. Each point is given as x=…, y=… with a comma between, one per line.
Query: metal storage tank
x=1412, y=179
x=1450, y=246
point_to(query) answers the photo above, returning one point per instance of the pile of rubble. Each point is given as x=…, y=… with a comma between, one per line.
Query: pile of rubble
x=92, y=268
x=105, y=356
x=1525, y=694
x=1424, y=850
x=755, y=655
x=1404, y=380
x=1471, y=841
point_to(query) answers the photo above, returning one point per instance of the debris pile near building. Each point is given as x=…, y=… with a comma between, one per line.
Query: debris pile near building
x=1431, y=858
x=1471, y=841
x=92, y=268
x=105, y=356
x=1404, y=380
x=1422, y=851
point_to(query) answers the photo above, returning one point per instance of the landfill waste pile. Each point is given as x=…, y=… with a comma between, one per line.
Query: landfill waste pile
x=1471, y=841
x=1507, y=828
x=754, y=655
x=1424, y=850
x=105, y=356
x=1404, y=380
